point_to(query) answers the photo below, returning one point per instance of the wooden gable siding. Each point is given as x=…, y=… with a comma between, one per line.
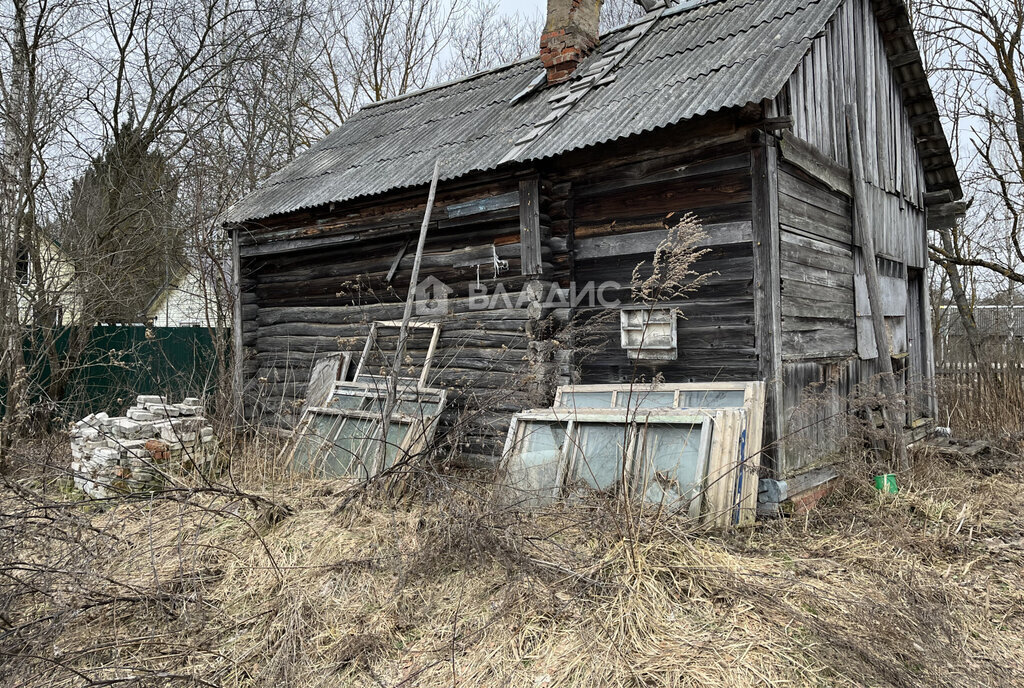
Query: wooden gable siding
x=821, y=367
x=848, y=64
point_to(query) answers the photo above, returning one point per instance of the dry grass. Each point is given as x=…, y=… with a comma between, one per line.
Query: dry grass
x=984, y=406
x=441, y=588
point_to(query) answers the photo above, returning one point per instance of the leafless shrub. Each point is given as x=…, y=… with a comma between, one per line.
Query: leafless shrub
x=983, y=400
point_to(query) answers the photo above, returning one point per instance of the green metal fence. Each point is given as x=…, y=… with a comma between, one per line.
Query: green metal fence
x=120, y=362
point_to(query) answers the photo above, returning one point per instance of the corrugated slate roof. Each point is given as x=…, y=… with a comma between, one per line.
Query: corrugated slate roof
x=670, y=66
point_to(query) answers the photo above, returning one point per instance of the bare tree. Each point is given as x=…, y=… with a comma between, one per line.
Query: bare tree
x=977, y=61
x=485, y=38
x=394, y=46
x=130, y=126
x=615, y=13
x=35, y=99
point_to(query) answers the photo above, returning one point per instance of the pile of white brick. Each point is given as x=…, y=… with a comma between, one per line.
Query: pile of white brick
x=135, y=452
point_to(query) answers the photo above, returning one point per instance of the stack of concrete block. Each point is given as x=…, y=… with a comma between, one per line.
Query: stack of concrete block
x=135, y=452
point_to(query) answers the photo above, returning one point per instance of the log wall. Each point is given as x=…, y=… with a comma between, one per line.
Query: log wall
x=300, y=303
x=312, y=283
x=619, y=225
x=779, y=304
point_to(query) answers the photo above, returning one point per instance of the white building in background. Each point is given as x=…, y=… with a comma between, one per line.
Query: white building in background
x=55, y=275
x=187, y=300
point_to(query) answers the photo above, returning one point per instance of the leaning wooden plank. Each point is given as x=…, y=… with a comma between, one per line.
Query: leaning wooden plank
x=751, y=463
x=720, y=478
x=397, y=261
x=403, y=330
x=734, y=452
x=326, y=372
x=864, y=233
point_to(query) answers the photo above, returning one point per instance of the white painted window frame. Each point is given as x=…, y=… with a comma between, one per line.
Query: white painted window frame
x=371, y=340
x=733, y=476
x=646, y=350
x=568, y=460
x=420, y=431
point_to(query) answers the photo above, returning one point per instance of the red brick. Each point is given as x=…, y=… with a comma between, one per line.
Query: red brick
x=805, y=501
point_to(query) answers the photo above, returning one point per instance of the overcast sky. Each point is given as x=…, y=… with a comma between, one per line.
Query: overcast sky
x=526, y=6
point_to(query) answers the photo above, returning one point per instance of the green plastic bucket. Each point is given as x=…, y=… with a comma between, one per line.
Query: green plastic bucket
x=886, y=483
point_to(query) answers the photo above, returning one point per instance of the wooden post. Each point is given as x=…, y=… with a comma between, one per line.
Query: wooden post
x=768, y=291
x=864, y=235
x=529, y=226
x=237, y=352
x=929, y=339
x=403, y=330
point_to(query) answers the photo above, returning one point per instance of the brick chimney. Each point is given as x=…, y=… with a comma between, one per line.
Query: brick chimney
x=570, y=34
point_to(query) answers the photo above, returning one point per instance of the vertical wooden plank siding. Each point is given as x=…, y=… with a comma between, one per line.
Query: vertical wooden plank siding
x=529, y=226
x=847, y=64
x=767, y=285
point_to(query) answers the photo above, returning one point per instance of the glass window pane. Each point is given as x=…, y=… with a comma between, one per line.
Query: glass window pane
x=706, y=398
x=310, y=448
x=586, y=400
x=343, y=401
x=670, y=466
x=396, y=436
x=645, y=399
x=349, y=454
x=410, y=405
x=598, y=454
x=534, y=470
x=375, y=404
x=419, y=409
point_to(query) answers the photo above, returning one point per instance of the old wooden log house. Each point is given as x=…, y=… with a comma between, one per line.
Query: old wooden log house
x=567, y=168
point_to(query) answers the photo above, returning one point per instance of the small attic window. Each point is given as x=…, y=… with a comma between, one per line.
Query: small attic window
x=649, y=333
